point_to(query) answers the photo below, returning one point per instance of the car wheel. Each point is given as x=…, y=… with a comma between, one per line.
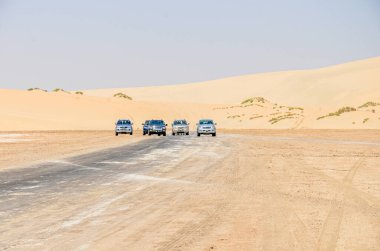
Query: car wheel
x=116, y=134
x=187, y=133
x=164, y=134
x=173, y=134
x=131, y=133
x=149, y=133
x=214, y=134
x=198, y=134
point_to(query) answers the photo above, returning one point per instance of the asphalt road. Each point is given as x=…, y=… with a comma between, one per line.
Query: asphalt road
x=121, y=170
x=23, y=188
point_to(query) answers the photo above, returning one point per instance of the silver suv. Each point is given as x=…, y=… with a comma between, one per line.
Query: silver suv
x=180, y=126
x=206, y=126
x=123, y=126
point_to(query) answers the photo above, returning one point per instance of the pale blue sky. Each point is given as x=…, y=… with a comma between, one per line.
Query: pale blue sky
x=77, y=44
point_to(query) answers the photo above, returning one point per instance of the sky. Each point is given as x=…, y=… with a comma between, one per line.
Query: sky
x=88, y=44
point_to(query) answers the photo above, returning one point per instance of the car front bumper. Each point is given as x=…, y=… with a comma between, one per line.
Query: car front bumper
x=180, y=130
x=157, y=130
x=124, y=130
x=206, y=131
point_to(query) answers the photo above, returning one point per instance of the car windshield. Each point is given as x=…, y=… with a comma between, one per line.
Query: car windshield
x=180, y=122
x=156, y=122
x=146, y=122
x=206, y=122
x=123, y=122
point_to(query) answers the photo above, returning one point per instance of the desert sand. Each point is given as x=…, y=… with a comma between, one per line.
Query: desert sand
x=242, y=190
x=283, y=100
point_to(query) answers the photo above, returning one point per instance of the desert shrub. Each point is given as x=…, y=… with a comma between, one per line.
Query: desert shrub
x=248, y=105
x=122, y=95
x=37, y=89
x=365, y=120
x=233, y=117
x=256, y=117
x=295, y=108
x=79, y=93
x=254, y=100
x=339, y=112
x=282, y=117
x=368, y=104
x=60, y=90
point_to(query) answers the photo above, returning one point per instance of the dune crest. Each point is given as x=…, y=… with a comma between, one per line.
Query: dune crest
x=330, y=87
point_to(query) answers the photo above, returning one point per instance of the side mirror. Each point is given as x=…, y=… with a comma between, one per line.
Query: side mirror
x=166, y=124
x=131, y=123
x=142, y=124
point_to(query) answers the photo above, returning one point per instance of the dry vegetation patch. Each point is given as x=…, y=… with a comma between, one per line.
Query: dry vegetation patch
x=60, y=90
x=369, y=104
x=233, y=116
x=254, y=100
x=295, y=108
x=339, y=112
x=288, y=115
x=256, y=117
x=36, y=89
x=122, y=95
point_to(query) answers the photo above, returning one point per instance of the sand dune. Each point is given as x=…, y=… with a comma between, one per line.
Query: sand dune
x=284, y=100
x=331, y=87
x=23, y=110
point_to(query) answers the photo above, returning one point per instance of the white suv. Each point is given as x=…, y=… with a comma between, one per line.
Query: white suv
x=206, y=126
x=123, y=126
x=180, y=126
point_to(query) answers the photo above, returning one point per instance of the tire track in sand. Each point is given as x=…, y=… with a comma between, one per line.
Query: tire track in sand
x=330, y=231
x=283, y=215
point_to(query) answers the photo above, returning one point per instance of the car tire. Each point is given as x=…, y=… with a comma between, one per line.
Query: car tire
x=131, y=133
x=187, y=133
x=149, y=133
x=173, y=134
x=116, y=134
x=214, y=134
x=198, y=134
